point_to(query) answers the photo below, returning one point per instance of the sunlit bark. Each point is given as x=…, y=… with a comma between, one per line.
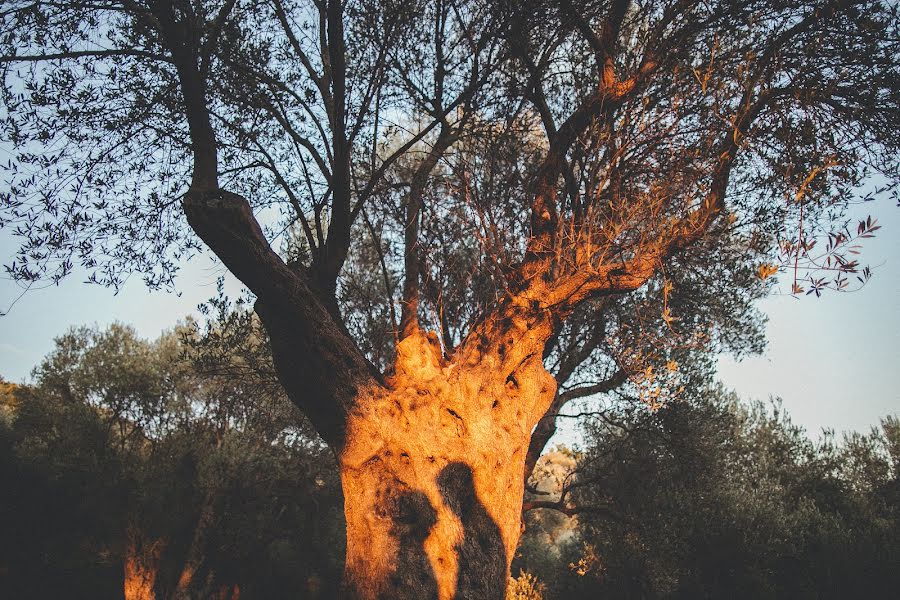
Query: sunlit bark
x=142, y=560
x=433, y=473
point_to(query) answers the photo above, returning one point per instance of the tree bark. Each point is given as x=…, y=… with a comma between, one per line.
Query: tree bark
x=195, y=578
x=433, y=474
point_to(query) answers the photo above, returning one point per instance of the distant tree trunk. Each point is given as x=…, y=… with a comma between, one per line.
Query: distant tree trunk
x=193, y=574
x=164, y=569
x=433, y=476
x=228, y=592
x=142, y=560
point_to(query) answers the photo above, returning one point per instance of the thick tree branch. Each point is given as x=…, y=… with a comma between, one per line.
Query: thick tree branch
x=177, y=37
x=546, y=427
x=337, y=244
x=588, y=280
x=635, y=272
x=544, y=209
x=598, y=106
x=409, y=322
x=317, y=362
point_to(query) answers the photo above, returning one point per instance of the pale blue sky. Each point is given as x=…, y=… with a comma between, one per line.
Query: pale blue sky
x=834, y=360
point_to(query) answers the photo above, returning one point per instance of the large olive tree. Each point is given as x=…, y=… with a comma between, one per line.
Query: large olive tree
x=577, y=150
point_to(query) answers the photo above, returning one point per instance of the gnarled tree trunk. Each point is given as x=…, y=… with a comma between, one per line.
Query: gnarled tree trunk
x=433, y=475
x=433, y=456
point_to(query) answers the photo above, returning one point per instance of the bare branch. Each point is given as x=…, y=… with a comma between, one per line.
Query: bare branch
x=84, y=54
x=571, y=510
x=546, y=427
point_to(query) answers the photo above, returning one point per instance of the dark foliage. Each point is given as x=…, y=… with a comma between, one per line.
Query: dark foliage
x=120, y=441
x=710, y=498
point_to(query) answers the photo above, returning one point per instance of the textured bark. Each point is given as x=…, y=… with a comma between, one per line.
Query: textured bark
x=433, y=474
x=318, y=364
x=173, y=568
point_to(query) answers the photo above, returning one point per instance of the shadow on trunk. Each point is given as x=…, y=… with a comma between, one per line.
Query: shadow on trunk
x=414, y=578
x=481, y=557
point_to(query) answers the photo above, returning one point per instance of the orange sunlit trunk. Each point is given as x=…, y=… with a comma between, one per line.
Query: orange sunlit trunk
x=141, y=567
x=433, y=477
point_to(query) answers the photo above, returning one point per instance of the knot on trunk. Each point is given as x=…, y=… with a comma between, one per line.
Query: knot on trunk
x=217, y=198
x=218, y=201
x=419, y=357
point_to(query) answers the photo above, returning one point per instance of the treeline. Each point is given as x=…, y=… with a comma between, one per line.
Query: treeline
x=165, y=469
x=711, y=498
x=177, y=469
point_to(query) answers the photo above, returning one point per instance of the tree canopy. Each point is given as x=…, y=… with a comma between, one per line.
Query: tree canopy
x=706, y=142
x=621, y=128
x=714, y=497
x=138, y=466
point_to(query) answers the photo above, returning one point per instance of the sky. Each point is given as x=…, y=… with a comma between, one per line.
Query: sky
x=834, y=361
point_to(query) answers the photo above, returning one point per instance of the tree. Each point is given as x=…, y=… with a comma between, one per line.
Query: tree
x=581, y=148
x=174, y=463
x=709, y=497
x=61, y=504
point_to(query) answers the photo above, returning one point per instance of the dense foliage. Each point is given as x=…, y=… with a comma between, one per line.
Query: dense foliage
x=397, y=155
x=712, y=498
x=172, y=455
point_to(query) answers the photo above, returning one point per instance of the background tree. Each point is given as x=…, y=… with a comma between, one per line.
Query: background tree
x=60, y=502
x=144, y=460
x=709, y=497
x=628, y=135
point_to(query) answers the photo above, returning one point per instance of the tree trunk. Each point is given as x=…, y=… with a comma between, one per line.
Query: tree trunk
x=194, y=574
x=432, y=458
x=433, y=475
x=142, y=559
